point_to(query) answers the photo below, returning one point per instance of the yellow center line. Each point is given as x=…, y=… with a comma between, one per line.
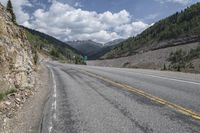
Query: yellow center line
x=171, y=105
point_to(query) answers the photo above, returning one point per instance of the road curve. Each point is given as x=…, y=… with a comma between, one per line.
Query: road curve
x=87, y=99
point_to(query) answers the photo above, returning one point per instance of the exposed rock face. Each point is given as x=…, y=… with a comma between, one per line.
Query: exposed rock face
x=16, y=60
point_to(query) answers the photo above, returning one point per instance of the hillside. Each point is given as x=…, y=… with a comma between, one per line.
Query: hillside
x=178, y=29
x=106, y=48
x=16, y=57
x=53, y=47
x=180, y=58
x=114, y=42
x=87, y=47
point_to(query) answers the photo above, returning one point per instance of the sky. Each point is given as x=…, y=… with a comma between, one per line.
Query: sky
x=98, y=20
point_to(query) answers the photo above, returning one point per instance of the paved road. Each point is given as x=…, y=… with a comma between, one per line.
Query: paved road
x=86, y=99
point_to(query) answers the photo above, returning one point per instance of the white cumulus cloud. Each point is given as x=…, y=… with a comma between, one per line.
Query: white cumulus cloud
x=72, y=23
x=131, y=29
x=68, y=23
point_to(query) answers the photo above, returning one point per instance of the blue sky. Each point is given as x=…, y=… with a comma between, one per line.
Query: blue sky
x=147, y=10
x=98, y=20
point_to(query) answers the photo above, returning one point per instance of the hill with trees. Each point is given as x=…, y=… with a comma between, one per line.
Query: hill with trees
x=105, y=49
x=53, y=47
x=180, y=28
x=92, y=49
x=86, y=47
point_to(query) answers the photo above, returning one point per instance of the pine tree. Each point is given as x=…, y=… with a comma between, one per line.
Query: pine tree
x=9, y=8
x=164, y=68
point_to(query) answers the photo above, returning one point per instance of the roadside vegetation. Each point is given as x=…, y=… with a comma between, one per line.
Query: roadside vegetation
x=3, y=95
x=182, y=24
x=181, y=60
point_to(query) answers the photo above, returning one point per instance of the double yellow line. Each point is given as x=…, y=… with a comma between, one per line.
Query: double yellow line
x=177, y=108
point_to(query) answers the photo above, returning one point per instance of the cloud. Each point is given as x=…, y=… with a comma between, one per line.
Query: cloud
x=72, y=23
x=131, y=29
x=175, y=1
x=68, y=23
x=22, y=16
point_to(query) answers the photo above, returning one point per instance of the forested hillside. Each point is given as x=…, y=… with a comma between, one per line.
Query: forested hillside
x=86, y=47
x=53, y=47
x=180, y=28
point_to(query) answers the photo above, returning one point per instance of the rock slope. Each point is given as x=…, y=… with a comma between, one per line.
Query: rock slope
x=16, y=58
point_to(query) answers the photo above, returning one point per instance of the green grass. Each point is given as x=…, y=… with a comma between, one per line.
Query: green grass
x=3, y=95
x=10, y=91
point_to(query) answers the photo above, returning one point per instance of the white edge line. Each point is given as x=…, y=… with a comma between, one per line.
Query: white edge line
x=54, y=104
x=54, y=95
x=179, y=80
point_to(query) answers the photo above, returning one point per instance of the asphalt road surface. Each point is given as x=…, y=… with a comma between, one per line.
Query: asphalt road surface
x=86, y=99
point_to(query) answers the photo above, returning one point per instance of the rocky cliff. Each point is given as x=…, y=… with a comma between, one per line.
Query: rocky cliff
x=16, y=58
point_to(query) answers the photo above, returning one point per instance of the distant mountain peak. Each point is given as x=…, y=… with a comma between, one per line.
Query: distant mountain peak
x=84, y=42
x=91, y=48
x=114, y=42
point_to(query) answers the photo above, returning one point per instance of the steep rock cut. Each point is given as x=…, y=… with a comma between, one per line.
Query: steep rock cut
x=16, y=58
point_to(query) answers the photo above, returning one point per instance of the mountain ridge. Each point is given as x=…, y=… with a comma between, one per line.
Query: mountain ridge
x=91, y=49
x=53, y=47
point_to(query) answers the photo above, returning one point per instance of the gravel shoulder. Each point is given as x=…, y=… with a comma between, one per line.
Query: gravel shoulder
x=28, y=118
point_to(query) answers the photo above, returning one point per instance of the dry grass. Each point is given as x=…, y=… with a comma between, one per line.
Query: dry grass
x=1, y=27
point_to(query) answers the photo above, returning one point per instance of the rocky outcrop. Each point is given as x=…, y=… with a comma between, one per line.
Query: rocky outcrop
x=16, y=60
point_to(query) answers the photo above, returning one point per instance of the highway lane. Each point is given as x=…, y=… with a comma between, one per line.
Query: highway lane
x=82, y=103
x=179, y=88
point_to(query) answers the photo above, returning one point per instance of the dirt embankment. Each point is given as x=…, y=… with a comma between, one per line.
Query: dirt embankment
x=27, y=116
x=149, y=60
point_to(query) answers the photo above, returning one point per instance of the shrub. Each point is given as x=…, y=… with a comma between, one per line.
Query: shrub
x=164, y=67
x=35, y=58
x=54, y=53
x=181, y=60
x=10, y=91
x=3, y=95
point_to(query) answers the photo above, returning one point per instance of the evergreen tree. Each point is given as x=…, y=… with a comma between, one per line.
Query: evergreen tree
x=9, y=8
x=164, y=68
